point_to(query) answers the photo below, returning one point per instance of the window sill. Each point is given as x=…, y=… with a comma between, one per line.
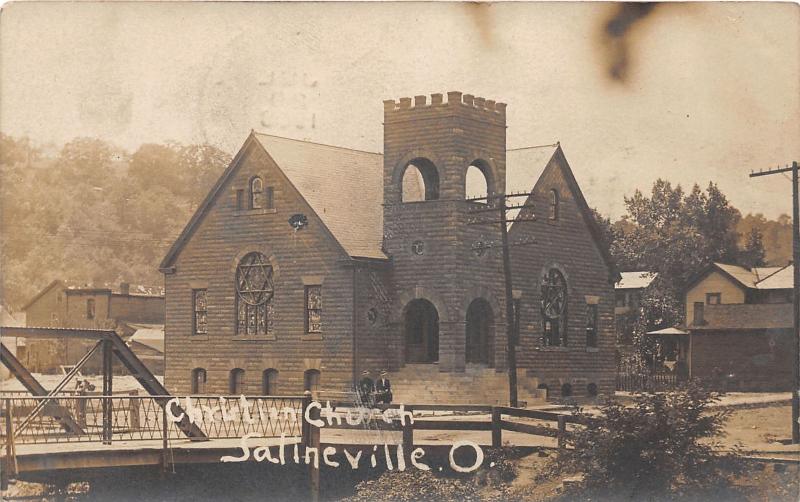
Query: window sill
x=252, y=338
x=311, y=337
x=554, y=348
x=251, y=212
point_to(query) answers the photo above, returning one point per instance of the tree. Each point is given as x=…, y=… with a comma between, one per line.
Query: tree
x=776, y=237
x=95, y=214
x=677, y=234
x=659, y=307
x=608, y=232
x=753, y=254
x=674, y=234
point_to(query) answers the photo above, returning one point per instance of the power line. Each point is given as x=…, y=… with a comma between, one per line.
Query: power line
x=795, y=290
x=499, y=203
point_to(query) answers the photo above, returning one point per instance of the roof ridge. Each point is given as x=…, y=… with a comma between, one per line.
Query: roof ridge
x=317, y=143
x=557, y=143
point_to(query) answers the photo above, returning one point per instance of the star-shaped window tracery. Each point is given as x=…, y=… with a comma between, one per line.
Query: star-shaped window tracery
x=254, y=290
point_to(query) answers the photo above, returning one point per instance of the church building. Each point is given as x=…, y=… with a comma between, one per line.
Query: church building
x=307, y=264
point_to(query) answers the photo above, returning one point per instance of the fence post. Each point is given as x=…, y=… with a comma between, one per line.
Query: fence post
x=135, y=404
x=408, y=433
x=562, y=431
x=10, y=470
x=304, y=426
x=497, y=429
x=313, y=442
x=107, y=391
x=164, y=441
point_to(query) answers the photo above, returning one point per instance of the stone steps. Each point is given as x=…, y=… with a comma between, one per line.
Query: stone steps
x=424, y=383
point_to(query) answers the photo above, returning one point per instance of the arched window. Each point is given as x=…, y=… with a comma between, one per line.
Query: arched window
x=554, y=308
x=254, y=293
x=566, y=390
x=554, y=204
x=591, y=325
x=269, y=382
x=311, y=379
x=256, y=191
x=198, y=381
x=236, y=382
x=420, y=181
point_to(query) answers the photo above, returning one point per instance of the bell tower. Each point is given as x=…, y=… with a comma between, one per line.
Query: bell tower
x=428, y=149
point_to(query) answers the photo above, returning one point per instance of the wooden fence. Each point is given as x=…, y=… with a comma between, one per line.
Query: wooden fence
x=652, y=382
x=502, y=419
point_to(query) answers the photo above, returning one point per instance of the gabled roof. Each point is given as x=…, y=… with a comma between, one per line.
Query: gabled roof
x=635, y=280
x=739, y=274
x=151, y=336
x=762, y=278
x=746, y=316
x=674, y=331
x=523, y=167
x=343, y=186
x=7, y=318
x=775, y=277
x=532, y=162
x=42, y=292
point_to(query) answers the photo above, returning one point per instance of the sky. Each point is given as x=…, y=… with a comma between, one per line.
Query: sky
x=710, y=91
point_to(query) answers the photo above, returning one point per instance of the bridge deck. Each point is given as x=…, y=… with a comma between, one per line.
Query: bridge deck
x=32, y=458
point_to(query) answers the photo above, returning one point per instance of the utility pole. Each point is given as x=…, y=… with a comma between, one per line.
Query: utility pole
x=795, y=292
x=512, y=327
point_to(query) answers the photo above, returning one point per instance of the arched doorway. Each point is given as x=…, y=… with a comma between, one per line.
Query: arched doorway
x=422, y=332
x=480, y=331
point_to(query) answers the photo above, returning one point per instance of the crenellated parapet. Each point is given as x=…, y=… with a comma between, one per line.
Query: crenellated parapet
x=455, y=103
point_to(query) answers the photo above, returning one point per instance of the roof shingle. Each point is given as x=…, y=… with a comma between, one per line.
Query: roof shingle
x=343, y=186
x=745, y=316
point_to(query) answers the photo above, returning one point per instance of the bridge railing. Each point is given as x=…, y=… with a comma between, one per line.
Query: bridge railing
x=127, y=418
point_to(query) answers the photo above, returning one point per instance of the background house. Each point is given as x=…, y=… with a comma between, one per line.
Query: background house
x=63, y=304
x=628, y=292
x=739, y=325
x=15, y=344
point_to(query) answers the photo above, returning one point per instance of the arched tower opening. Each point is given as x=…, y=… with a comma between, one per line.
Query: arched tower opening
x=420, y=181
x=479, y=181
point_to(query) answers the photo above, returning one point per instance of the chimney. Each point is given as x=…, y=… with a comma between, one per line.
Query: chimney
x=125, y=288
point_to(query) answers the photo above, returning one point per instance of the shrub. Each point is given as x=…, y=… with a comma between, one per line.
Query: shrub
x=491, y=483
x=662, y=444
x=498, y=466
x=412, y=486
